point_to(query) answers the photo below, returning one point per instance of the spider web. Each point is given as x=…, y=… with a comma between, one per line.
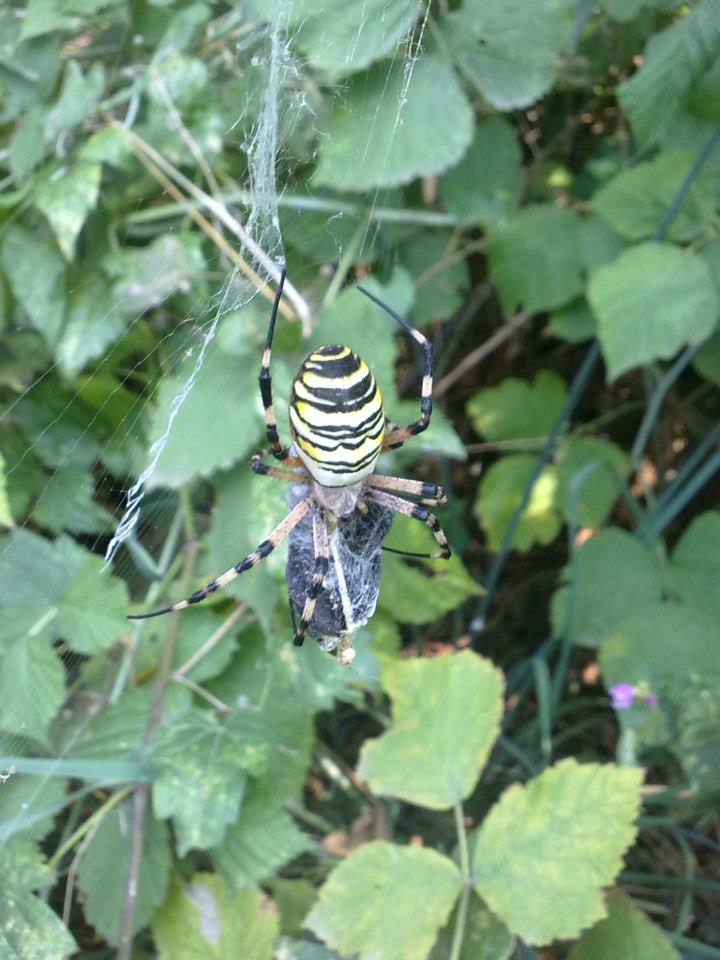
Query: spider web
x=258, y=230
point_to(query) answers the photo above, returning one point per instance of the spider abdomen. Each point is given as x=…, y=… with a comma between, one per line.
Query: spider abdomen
x=336, y=416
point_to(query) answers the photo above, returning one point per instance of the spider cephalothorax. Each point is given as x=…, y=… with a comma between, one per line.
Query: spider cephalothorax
x=340, y=509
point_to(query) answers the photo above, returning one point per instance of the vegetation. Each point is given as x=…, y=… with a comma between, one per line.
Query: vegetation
x=522, y=760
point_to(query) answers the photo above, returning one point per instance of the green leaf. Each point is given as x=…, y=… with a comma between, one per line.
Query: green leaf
x=574, y=322
x=66, y=198
x=46, y=16
x=518, y=409
x=651, y=301
x=697, y=742
x=41, y=292
x=202, y=766
x=263, y=839
x=500, y=493
x=486, y=185
x=672, y=60
x=510, y=52
x=707, y=360
x=404, y=590
x=441, y=278
x=589, y=470
x=386, y=132
x=546, y=849
x=536, y=258
x=625, y=934
x=406, y=894
x=78, y=97
x=6, y=518
x=486, y=937
x=199, y=441
x=446, y=716
x=340, y=37
x=92, y=324
x=103, y=872
x=93, y=608
x=625, y=10
x=28, y=805
x=66, y=503
x=201, y=919
x=704, y=98
x=610, y=575
x=635, y=202
x=149, y=275
x=695, y=560
x=661, y=643
x=32, y=686
x=29, y=929
x=27, y=146
x=294, y=899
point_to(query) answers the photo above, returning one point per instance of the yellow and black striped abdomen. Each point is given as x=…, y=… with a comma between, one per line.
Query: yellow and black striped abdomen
x=336, y=416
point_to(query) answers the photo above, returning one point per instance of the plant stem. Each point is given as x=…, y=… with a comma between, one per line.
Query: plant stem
x=87, y=825
x=461, y=919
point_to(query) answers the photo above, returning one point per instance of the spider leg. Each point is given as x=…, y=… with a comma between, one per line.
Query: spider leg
x=321, y=550
x=430, y=494
x=397, y=437
x=291, y=476
x=418, y=512
x=278, y=450
x=261, y=551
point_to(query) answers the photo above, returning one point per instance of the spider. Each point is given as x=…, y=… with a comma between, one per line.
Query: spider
x=340, y=508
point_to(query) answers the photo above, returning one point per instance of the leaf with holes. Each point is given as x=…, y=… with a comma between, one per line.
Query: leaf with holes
x=385, y=131
x=446, y=716
x=546, y=849
x=651, y=301
x=406, y=894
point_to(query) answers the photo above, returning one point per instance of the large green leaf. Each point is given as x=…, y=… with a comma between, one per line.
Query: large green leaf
x=202, y=770
x=66, y=198
x=386, y=902
x=636, y=200
x=92, y=324
x=589, y=472
x=29, y=928
x=446, y=716
x=66, y=503
x=610, y=575
x=500, y=493
x=41, y=292
x=341, y=37
x=32, y=686
x=672, y=60
x=386, y=131
x=92, y=612
x=201, y=919
x=546, y=849
x=662, y=644
x=695, y=561
x=487, y=183
x=486, y=937
x=509, y=51
x=202, y=439
x=518, y=409
x=103, y=871
x=536, y=258
x=651, y=301
x=625, y=934
x=263, y=839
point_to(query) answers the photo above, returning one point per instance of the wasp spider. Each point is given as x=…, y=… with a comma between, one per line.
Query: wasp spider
x=340, y=509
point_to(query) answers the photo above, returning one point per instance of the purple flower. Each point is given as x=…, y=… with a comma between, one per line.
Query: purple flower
x=651, y=700
x=621, y=696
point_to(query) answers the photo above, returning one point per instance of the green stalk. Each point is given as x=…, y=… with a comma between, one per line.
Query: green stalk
x=461, y=920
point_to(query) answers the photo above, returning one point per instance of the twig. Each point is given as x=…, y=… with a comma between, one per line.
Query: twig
x=484, y=350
